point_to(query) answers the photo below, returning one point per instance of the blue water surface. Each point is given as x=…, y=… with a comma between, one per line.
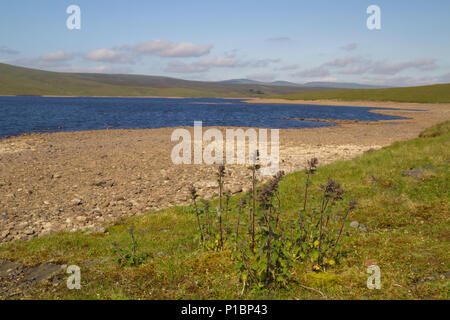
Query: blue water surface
x=25, y=114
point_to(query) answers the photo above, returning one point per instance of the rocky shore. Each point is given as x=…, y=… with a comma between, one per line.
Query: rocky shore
x=68, y=181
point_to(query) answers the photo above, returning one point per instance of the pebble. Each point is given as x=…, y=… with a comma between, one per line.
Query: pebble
x=354, y=224
x=81, y=218
x=76, y=201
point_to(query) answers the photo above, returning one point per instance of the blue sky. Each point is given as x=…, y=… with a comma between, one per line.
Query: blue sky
x=264, y=40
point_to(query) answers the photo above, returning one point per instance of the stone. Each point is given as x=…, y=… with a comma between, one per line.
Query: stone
x=47, y=225
x=415, y=173
x=42, y=272
x=362, y=227
x=235, y=189
x=76, y=201
x=354, y=224
x=99, y=183
x=4, y=234
x=81, y=218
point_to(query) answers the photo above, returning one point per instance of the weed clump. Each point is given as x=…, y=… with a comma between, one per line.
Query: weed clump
x=264, y=243
x=130, y=257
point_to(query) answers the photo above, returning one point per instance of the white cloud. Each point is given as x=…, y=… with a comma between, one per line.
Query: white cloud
x=163, y=48
x=262, y=76
x=357, y=65
x=59, y=55
x=94, y=69
x=51, y=59
x=181, y=67
x=203, y=65
x=216, y=62
x=9, y=51
x=108, y=55
x=343, y=62
x=316, y=72
x=350, y=47
x=289, y=67
x=394, y=68
x=220, y=62
x=261, y=63
x=445, y=78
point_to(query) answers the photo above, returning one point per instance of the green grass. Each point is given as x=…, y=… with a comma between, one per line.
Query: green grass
x=408, y=235
x=439, y=93
x=23, y=81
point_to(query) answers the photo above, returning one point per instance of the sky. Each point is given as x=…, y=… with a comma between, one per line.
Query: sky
x=212, y=40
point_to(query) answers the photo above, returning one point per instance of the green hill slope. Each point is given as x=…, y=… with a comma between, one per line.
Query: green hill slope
x=23, y=81
x=439, y=93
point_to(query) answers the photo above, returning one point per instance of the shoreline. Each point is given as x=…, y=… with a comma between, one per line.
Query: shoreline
x=69, y=181
x=376, y=108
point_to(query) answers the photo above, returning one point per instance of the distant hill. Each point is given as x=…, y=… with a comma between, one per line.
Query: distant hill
x=439, y=93
x=317, y=84
x=342, y=85
x=24, y=81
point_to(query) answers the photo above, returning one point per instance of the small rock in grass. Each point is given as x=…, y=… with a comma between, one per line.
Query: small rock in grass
x=354, y=224
x=415, y=173
x=362, y=227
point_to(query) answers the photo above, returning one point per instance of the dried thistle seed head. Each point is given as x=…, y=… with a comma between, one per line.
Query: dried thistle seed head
x=333, y=189
x=265, y=195
x=312, y=165
x=221, y=171
x=279, y=175
x=193, y=192
x=268, y=190
x=338, y=194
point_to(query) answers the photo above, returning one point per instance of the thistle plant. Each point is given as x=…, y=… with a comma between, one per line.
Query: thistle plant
x=332, y=191
x=131, y=257
x=241, y=207
x=220, y=176
x=310, y=169
x=267, y=253
x=194, y=197
x=254, y=168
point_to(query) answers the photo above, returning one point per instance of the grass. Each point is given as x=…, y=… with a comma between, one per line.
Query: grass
x=439, y=93
x=408, y=236
x=24, y=81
